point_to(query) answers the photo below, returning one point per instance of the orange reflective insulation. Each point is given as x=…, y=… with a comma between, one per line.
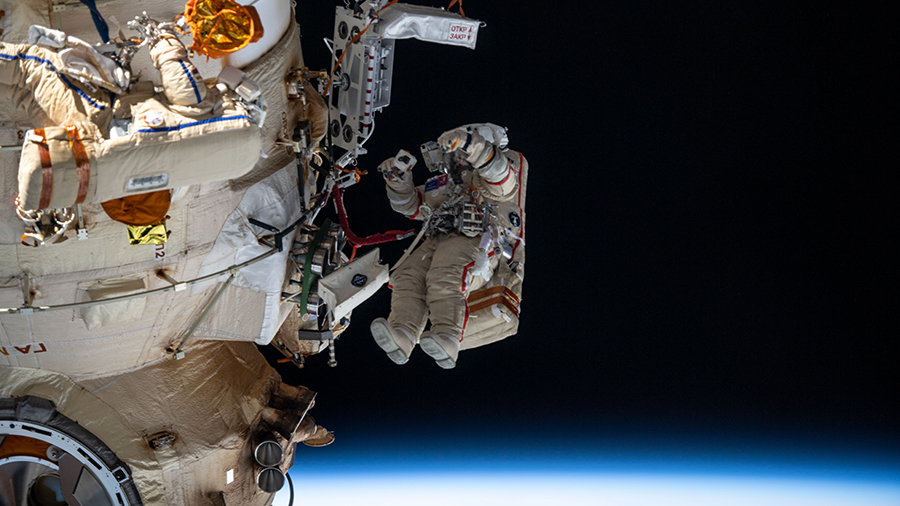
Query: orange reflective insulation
x=139, y=210
x=46, y=170
x=82, y=162
x=221, y=27
x=23, y=446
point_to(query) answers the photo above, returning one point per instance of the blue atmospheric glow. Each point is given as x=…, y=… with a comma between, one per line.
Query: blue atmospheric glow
x=581, y=489
x=379, y=467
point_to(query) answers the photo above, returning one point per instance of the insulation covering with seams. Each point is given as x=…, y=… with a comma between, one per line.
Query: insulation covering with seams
x=185, y=427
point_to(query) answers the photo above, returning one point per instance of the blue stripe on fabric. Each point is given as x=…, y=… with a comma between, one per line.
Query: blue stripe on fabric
x=64, y=79
x=195, y=123
x=83, y=94
x=191, y=78
x=99, y=22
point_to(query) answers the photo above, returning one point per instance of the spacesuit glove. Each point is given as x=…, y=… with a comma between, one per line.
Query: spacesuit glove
x=469, y=142
x=386, y=167
x=482, y=265
x=41, y=35
x=82, y=61
x=397, y=166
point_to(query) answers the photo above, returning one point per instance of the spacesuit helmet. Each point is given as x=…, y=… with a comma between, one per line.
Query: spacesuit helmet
x=495, y=134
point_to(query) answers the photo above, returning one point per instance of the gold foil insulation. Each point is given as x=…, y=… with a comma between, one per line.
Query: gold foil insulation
x=147, y=234
x=221, y=27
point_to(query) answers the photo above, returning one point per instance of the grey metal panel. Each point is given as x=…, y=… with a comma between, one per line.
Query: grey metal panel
x=315, y=335
x=17, y=479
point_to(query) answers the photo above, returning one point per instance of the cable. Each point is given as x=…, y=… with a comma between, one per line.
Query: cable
x=306, y=218
x=454, y=2
x=97, y=18
x=29, y=309
x=291, y=487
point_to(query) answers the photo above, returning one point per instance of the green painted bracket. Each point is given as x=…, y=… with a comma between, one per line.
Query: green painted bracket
x=308, y=276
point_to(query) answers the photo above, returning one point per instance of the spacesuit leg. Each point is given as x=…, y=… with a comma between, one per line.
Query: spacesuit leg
x=447, y=283
x=29, y=78
x=408, y=309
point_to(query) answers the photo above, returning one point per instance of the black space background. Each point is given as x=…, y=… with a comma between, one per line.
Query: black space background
x=709, y=218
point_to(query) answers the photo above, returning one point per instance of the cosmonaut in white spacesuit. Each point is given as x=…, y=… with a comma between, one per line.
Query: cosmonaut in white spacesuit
x=31, y=78
x=96, y=140
x=473, y=214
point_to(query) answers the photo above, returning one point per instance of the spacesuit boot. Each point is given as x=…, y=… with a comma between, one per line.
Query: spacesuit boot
x=396, y=342
x=441, y=347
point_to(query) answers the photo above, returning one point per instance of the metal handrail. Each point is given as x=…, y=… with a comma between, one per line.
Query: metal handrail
x=177, y=287
x=279, y=239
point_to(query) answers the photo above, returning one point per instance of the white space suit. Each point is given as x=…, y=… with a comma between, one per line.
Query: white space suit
x=30, y=79
x=438, y=276
x=72, y=158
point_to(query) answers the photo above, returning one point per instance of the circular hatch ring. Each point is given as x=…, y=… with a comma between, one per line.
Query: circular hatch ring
x=36, y=419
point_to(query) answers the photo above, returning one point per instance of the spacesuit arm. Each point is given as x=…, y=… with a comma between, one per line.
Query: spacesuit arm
x=181, y=82
x=497, y=174
x=405, y=198
x=489, y=161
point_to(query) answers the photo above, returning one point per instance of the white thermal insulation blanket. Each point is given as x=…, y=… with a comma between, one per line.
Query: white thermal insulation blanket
x=403, y=21
x=211, y=400
x=274, y=201
x=115, y=312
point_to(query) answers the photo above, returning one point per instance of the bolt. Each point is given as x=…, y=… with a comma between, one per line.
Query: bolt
x=54, y=453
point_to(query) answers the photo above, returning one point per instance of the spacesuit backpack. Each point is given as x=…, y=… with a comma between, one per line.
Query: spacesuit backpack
x=493, y=311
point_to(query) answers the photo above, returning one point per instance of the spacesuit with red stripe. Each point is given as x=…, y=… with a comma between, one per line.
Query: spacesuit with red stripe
x=436, y=278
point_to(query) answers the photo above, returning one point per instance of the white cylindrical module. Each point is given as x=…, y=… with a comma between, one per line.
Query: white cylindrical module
x=275, y=15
